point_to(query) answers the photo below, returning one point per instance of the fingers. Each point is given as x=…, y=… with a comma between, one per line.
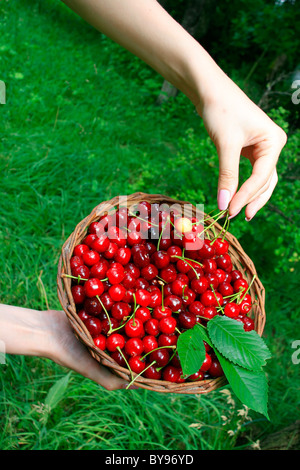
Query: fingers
x=229, y=160
x=258, y=188
x=262, y=199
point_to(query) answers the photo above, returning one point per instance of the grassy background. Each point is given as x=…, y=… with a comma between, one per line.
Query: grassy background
x=80, y=126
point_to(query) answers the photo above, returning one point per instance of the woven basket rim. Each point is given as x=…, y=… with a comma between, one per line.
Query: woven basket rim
x=237, y=253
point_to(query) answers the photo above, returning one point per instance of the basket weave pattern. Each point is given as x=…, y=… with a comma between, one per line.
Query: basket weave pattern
x=240, y=260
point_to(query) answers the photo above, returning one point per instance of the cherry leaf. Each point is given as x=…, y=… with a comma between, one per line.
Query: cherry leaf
x=250, y=387
x=191, y=351
x=244, y=348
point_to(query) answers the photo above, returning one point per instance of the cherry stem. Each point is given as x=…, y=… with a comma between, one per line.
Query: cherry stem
x=184, y=259
x=74, y=277
x=156, y=349
x=162, y=231
x=212, y=288
x=217, y=217
x=241, y=300
x=138, y=375
x=134, y=309
x=108, y=317
x=162, y=296
x=123, y=356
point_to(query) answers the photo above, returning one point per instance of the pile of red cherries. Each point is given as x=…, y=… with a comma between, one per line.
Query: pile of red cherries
x=143, y=275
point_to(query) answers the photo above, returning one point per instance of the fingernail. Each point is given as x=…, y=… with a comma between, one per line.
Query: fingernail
x=223, y=199
x=234, y=215
x=248, y=219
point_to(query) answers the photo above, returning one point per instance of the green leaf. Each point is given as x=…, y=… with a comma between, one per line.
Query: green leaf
x=250, y=387
x=57, y=391
x=244, y=348
x=191, y=351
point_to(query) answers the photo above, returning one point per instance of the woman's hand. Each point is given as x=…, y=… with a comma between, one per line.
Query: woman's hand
x=238, y=127
x=235, y=124
x=49, y=334
x=66, y=350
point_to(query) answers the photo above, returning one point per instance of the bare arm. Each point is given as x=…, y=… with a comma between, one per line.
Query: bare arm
x=235, y=124
x=48, y=334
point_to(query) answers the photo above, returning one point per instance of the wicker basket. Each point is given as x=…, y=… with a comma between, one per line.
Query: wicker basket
x=240, y=261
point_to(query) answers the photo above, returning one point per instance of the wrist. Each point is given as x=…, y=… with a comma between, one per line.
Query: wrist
x=25, y=331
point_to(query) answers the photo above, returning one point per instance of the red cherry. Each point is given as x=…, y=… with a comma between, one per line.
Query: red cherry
x=171, y=373
x=221, y=246
x=209, y=312
x=92, y=306
x=89, y=239
x=93, y=287
x=134, y=347
x=173, y=302
x=120, y=310
x=160, y=312
x=149, y=272
x=143, y=314
x=246, y=304
x=117, y=292
x=160, y=356
x=174, y=251
x=196, y=307
x=215, y=369
x=241, y=285
x=78, y=293
x=80, y=249
x=91, y=257
x=122, y=255
x=143, y=297
x=208, y=299
x=187, y=320
x=136, y=364
x=199, y=285
x=100, y=342
x=134, y=327
x=207, y=250
x=167, y=325
x=94, y=325
x=151, y=327
x=196, y=376
x=152, y=372
x=165, y=339
x=81, y=271
x=101, y=243
x=110, y=253
x=232, y=310
x=99, y=269
x=206, y=363
x=115, y=273
x=149, y=343
x=76, y=261
x=117, y=236
x=115, y=341
x=161, y=259
x=248, y=323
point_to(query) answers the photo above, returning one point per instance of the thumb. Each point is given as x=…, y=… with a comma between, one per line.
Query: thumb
x=229, y=160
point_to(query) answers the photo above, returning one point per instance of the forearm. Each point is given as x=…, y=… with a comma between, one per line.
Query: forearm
x=24, y=331
x=144, y=28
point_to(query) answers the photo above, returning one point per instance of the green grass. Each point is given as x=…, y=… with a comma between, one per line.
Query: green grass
x=80, y=126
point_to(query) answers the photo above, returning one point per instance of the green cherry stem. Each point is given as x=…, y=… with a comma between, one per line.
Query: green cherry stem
x=108, y=317
x=138, y=375
x=123, y=356
x=241, y=300
x=156, y=349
